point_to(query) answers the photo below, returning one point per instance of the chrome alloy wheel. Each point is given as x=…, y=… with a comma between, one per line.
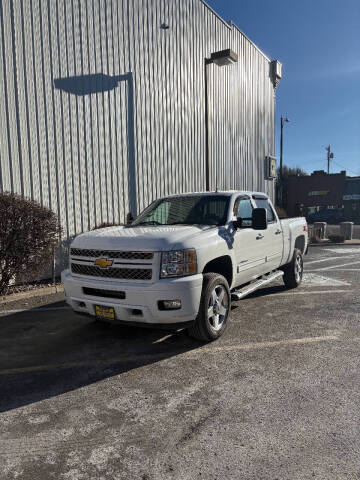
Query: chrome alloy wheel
x=218, y=307
x=298, y=268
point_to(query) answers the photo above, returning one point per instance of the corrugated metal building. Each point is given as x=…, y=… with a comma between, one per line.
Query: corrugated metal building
x=103, y=105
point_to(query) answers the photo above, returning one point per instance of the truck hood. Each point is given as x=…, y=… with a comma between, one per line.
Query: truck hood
x=150, y=238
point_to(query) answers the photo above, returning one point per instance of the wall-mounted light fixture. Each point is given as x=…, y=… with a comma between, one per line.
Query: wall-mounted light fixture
x=224, y=57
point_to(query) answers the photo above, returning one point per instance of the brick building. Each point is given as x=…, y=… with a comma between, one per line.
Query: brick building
x=308, y=193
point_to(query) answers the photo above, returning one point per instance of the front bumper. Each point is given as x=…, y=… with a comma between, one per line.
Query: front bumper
x=140, y=305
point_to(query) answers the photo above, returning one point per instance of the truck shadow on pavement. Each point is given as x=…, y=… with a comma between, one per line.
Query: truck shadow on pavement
x=45, y=353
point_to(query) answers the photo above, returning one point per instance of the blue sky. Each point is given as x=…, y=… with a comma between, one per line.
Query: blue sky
x=318, y=43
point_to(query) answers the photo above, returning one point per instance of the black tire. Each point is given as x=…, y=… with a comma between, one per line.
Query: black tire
x=208, y=329
x=293, y=271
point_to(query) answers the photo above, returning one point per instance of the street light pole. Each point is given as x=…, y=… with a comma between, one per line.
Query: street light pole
x=282, y=121
x=221, y=58
x=207, y=140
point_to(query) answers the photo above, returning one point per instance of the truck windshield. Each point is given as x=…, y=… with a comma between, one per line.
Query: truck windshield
x=186, y=210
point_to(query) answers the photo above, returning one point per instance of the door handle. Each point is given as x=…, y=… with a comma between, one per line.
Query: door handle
x=260, y=236
x=278, y=232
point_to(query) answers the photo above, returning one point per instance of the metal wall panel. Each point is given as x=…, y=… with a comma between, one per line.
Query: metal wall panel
x=103, y=111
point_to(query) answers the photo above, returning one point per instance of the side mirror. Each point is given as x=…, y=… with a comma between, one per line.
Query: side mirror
x=259, y=219
x=237, y=223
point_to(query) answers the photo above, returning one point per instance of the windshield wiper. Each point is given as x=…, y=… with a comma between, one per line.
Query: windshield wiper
x=181, y=223
x=152, y=222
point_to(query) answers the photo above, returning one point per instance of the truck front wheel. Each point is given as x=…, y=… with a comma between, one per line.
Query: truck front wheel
x=293, y=271
x=215, y=304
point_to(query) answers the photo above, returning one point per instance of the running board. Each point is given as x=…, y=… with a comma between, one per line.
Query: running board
x=239, y=294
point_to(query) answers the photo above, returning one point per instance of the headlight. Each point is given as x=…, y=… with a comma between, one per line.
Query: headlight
x=178, y=263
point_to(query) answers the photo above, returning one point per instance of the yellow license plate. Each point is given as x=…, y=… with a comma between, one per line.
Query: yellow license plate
x=105, y=312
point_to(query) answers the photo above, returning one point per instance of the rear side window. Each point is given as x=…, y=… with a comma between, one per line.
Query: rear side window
x=263, y=203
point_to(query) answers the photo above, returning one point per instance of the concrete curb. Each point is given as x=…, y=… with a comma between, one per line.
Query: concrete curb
x=332, y=243
x=38, y=292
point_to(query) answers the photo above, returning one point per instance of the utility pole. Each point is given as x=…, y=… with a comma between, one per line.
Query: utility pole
x=330, y=155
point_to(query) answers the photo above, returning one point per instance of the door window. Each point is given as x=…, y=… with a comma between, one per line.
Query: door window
x=263, y=203
x=243, y=209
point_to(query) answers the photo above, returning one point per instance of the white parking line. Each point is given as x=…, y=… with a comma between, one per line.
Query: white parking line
x=311, y=292
x=250, y=346
x=335, y=266
x=311, y=279
x=343, y=270
x=343, y=250
x=327, y=259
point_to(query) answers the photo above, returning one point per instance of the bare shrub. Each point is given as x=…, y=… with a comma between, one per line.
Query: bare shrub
x=29, y=235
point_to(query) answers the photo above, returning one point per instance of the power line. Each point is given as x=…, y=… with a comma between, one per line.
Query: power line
x=347, y=169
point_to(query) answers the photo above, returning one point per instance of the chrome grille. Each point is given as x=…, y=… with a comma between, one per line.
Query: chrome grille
x=124, y=273
x=81, y=252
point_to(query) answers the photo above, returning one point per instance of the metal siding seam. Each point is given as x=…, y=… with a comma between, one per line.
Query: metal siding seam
x=48, y=87
x=143, y=174
x=113, y=114
x=106, y=114
x=168, y=96
x=82, y=122
x=45, y=167
x=133, y=117
x=70, y=184
x=114, y=109
x=60, y=37
x=187, y=103
x=123, y=129
x=178, y=160
x=29, y=192
x=109, y=95
x=99, y=205
x=55, y=166
x=155, y=63
x=89, y=124
x=75, y=129
x=141, y=119
x=6, y=173
x=161, y=184
x=9, y=100
x=149, y=104
x=16, y=97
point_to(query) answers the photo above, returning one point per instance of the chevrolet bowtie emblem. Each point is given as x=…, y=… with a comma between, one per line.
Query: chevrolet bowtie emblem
x=103, y=262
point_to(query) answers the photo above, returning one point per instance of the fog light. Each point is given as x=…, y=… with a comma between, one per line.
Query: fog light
x=169, y=304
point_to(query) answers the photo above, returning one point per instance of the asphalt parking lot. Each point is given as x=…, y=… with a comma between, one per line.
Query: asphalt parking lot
x=277, y=397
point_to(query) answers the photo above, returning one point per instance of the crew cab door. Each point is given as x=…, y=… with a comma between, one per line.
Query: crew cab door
x=248, y=254
x=271, y=242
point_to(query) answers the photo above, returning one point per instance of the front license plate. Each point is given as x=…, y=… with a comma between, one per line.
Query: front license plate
x=105, y=312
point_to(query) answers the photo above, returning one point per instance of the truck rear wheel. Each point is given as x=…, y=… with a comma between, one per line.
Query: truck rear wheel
x=293, y=271
x=215, y=304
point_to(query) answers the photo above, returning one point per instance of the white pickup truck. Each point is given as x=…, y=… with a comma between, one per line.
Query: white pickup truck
x=183, y=260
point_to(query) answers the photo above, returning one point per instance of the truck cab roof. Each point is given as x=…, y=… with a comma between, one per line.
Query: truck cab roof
x=222, y=193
